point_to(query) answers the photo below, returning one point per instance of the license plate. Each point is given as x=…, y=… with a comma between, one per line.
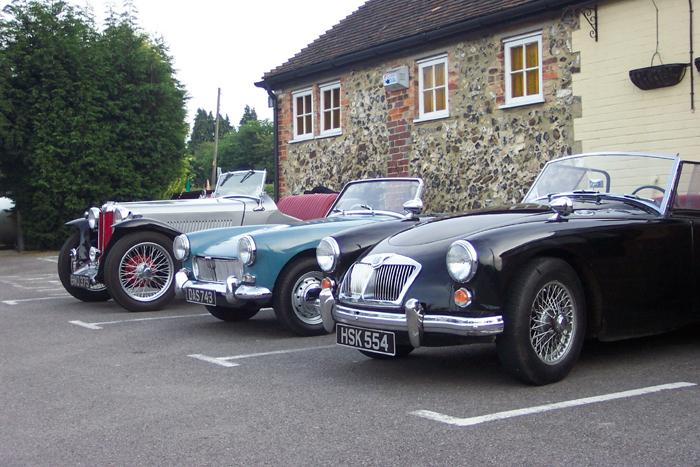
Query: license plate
x=82, y=282
x=203, y=297
x=383, y=342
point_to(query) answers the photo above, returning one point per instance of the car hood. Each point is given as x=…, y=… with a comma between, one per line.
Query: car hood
x=147, y=208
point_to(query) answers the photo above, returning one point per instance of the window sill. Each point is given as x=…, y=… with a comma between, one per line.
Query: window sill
x=301, y=139
x=431, y=118
x=329, y=134
x=539, y=100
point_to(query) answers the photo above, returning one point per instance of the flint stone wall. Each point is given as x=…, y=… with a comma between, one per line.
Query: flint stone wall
x=478, y=156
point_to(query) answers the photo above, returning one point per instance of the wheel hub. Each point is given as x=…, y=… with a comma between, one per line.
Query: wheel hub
x=306, y=309
x=143, y=271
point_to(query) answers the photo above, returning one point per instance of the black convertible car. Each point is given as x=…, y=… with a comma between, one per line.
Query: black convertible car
x=603, y=245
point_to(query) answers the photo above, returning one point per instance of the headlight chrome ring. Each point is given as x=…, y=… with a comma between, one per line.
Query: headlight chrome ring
x=93, y=218
x=462, y=261
x=327, y=254
x=246, y=250
x=181, y=247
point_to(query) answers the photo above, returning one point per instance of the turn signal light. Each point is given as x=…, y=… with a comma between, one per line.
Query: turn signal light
x=327, y=283
x=462, y=297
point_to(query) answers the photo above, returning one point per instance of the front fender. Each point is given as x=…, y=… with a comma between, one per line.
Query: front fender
x=133, y=225
x=86, y=237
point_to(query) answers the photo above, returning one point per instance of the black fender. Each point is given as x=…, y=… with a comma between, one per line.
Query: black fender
x=139, y=224
x=87, y=239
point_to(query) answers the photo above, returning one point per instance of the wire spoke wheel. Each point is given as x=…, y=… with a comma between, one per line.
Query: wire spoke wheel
x=552, y=322
x=146, y=271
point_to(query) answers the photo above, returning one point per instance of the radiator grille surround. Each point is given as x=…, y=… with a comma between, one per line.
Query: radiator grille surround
x=207, y=269
x=379, y=280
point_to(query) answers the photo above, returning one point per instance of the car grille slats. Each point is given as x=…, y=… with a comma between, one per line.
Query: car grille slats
x=216, y=270
x=382, y=284
x=188, y=226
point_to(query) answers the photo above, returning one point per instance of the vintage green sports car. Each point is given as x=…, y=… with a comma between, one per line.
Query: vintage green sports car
x=235, y=271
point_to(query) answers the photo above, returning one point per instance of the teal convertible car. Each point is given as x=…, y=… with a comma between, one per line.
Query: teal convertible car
x=235, y=271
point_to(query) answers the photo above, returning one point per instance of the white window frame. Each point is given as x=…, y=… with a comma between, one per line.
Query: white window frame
x=517, y=41
x=295, y=115
x=322, y=109
x=423, y=116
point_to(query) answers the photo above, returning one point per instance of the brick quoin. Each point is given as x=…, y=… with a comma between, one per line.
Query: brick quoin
x=400, y=104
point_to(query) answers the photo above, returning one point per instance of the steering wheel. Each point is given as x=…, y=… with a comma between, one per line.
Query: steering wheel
x=651, y=187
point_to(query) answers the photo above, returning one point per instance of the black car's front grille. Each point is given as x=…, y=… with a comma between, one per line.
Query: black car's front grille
x=384, y=283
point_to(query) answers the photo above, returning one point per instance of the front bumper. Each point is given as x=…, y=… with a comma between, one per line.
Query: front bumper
x=414, y=321
x=232, y=292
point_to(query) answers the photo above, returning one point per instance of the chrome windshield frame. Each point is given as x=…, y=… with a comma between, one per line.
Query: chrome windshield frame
x=419, y=192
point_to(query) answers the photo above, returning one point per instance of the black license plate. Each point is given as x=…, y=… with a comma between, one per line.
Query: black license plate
x=372, y=340
x=201, y=296
x=82, y=282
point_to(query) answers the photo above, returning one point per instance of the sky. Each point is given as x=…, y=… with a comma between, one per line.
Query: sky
x=230, y=44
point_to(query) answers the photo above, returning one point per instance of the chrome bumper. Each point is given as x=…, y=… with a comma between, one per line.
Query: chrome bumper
x=234, y=292
x=414, y=321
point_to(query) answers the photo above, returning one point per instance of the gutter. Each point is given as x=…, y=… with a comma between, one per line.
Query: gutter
x=468, y=25
x=275, y=123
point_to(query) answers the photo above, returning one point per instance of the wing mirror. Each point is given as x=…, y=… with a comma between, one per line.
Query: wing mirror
x=413, y=207
x=562, y=207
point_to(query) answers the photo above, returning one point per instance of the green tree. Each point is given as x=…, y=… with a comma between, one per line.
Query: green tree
x=85, y=117
x=249, y=115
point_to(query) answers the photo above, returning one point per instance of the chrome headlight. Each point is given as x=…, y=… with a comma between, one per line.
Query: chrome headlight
x=246, y=250
x=181, y=247
x=461, y=261
x=121, y=213
x=93, y=218
x=327, y=253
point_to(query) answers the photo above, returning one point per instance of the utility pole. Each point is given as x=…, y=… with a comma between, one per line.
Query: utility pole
x=216, y=140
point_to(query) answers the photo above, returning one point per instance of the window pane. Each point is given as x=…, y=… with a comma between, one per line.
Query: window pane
x=427, y=101
x=440, y=74
x=326, y=121
x=300, y=105
x=532, y=55
x=427, y=77
x=336, y=97
x=308, y=124
x=307, y=104
x=336, y=118
x=533, y=82
x=440, y=99
x=516, y=85
x=300, y=125
x=327, y=99
x=516, y=58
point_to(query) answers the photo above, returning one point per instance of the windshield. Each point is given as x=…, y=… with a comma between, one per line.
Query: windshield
x=377, y=195
x=241, y=183
x=646, y=177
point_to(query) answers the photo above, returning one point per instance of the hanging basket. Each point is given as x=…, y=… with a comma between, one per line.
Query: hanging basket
x=658, y=76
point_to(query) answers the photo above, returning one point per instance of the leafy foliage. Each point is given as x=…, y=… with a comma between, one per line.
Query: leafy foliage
x=85, y=116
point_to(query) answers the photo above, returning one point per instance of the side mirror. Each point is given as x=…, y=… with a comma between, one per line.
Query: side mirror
x=562, y=207
x=414, y=207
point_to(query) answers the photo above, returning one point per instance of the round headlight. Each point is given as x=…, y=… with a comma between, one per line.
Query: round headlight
x=327, y=253
x=246, y=250
x=93, y=218
x=461, y=261
x=121, y=213
x=181, y=247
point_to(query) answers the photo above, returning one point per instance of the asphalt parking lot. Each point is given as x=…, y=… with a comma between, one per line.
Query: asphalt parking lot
x=91, y=384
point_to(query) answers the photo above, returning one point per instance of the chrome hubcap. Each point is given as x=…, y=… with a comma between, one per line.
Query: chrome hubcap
x=308, y=312
x=552, y=322
x=146, y=272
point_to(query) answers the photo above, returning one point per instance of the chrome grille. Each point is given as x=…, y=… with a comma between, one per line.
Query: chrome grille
x=379, y=279
x=215, y=270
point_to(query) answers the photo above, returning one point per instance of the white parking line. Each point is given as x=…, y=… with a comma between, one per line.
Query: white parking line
x=96, y=326
x=50, y=259
x=21, y=300
x=438, y=417
x=225, y=361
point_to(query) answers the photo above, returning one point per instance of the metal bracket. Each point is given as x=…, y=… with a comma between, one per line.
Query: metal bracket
x=591, y=15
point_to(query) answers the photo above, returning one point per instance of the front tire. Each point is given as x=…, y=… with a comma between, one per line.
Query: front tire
x=65, y=267
x=233, y=314
x=545, y=323
x=296, y=314
x=139, y=271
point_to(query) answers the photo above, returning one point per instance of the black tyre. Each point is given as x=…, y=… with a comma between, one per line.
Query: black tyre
x=233, y=314
x=296, y=314
x=401, y=351
x=139, y=271
x=545, y=323
x=98, y=293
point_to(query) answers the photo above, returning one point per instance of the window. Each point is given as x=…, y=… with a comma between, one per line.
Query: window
x=303, y=114
x=432, y=88
x=523, y=64
x=330, y=109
